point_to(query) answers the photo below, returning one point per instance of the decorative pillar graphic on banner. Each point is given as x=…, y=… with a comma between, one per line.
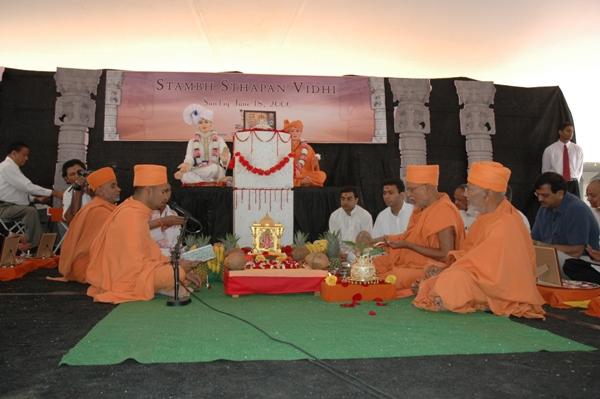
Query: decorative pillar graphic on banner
x=114, y=81
x=477, y=122
x=75, y=112
x=411, y=119
x=377, y=87
x=263, y=178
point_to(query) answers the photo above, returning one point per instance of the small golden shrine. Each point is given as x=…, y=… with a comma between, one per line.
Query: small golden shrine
x=266, y=236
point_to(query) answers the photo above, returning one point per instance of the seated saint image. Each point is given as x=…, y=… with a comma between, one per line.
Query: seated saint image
x=207, y=154
x=307, y=172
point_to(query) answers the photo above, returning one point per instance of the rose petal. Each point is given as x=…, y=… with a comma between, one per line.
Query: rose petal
x=377, y=300
x=381, y=304
x=356, y=297
x=345, y=284
x=347, y=305
x=372, y=313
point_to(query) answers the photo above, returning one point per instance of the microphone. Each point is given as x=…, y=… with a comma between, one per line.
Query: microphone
x=175, y=206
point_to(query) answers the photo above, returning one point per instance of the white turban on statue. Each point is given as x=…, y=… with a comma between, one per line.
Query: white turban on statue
x=194, y=112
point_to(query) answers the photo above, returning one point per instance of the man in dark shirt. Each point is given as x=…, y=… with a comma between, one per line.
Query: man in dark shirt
x=563, y=221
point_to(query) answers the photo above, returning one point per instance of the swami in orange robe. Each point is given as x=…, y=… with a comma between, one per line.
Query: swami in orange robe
x=85, y=226
x=495, y=267
x=306, y=161
x=434, y=229
x=126, y=264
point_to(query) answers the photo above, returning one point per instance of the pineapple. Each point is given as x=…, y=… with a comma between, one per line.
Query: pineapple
x=190, y=242
x=201, y=269
x=300, y=250
x=230, y=242
x=202, y=240
x=333, y=250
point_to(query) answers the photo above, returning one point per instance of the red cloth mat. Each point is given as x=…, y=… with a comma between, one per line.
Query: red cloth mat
x=370, y=292
x=272, y=281
x=556, y=296
x=28, y=265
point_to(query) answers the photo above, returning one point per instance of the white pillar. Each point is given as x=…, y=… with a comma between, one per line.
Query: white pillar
x=411, y=119
x=75, y=112
x=477, y=121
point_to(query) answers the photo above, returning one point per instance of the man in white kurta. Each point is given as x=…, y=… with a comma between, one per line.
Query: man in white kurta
x=393, y=219
x=350, y=219
x=168, y=229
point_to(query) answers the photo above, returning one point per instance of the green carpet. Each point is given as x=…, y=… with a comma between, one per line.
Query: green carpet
x=151, y=332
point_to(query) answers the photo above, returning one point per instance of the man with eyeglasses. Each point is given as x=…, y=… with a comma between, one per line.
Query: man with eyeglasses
x=435, y=228
x=495, y=267
x=563, y=221
x=588, y=269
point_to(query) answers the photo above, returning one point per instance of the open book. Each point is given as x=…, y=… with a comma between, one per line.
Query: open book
x=201, y=254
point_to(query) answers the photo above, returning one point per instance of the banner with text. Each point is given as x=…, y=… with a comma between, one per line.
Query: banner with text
x=148, y=106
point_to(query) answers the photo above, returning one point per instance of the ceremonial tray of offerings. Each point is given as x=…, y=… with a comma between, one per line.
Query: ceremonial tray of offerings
x=268, y=268
x=362, y=283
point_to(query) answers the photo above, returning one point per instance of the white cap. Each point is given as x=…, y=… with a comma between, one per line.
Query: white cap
x=194, y=112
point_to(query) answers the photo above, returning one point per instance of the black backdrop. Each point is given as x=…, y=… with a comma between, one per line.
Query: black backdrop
x=527, y=120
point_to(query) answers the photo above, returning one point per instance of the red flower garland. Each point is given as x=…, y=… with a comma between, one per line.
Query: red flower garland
x=263, y=172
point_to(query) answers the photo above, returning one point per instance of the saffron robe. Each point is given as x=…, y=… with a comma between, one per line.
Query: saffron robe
x=126, y=264
x=423, y=227
x=494, y=269
x=83, y=229
x=306, y=164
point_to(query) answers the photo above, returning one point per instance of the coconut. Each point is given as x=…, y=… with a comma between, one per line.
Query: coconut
x=364, y=239
x=236, y=260
x=317, y=261
x=300, y=253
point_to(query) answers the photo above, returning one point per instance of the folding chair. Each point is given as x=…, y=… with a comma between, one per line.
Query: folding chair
x=62, y=237
x=56, y=216
x=14, y=226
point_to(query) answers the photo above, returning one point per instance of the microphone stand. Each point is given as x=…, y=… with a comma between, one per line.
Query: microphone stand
x=175, y=255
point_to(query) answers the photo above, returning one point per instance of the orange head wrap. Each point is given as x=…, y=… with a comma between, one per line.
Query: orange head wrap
x=100, y=177
x=287, y=125
x=149, y=175
x=423, y=174
x=489, y=175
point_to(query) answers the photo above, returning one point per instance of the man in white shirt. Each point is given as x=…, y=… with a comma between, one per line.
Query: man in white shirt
x=565, y=158
x=16, y=192
x=350, y=219
x=393, y=219
x=467, y=214
x=165, y=227
x=77, y=195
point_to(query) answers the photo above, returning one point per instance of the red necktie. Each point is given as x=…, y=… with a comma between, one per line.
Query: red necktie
x=566, y=167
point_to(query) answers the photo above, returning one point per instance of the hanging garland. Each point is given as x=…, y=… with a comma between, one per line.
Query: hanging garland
x=260, y=171
x=276, y=133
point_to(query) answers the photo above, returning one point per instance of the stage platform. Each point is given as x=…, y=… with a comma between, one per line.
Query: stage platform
x=213, y=206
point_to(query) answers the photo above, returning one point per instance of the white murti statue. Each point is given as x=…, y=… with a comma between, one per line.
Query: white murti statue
x=207, y=155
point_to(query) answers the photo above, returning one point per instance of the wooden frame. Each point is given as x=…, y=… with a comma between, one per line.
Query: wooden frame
x=253, y=118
